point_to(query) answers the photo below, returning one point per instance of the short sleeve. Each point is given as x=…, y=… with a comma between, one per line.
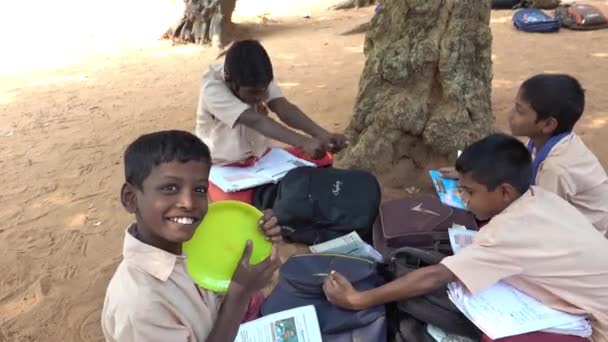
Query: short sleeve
x=555, y=179
x=150, y=322
x=479, y=267
x=221, y=102
x=274, y=92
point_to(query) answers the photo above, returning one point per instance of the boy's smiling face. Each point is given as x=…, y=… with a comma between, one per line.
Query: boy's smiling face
x=171, y=203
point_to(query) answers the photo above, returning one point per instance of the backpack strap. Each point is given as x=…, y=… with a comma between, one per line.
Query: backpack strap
x=432, y=308
x=425, y=256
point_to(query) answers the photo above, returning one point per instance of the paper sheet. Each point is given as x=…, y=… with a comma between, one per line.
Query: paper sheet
x=276, y=163
x=436, y=333
x=502, y=310
x=295, y=325
x=460, y=238
x=350, y=244
x=269, y=169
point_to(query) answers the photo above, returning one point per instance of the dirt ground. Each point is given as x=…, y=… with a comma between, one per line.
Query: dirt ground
x=63, y=128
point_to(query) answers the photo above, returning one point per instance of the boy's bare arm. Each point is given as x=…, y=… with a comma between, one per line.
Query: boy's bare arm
x=247, y=280
x=270, y=128
x=274, y=130
x=230, y=316
x=293, y=117
x=422, y=281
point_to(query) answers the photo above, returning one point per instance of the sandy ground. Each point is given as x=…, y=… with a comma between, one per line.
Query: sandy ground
x=66, y=115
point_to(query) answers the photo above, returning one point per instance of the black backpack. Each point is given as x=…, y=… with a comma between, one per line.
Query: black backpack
x=408, y=318
x=319, y=204
x=541, y=4
x=505, y=4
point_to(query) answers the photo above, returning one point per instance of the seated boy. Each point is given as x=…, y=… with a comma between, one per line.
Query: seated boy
x=534, y=240
x=232, y=115
x=546, y=109
x=151, y=297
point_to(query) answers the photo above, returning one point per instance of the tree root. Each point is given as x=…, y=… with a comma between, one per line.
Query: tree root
x=347, y=4
x=361, y=28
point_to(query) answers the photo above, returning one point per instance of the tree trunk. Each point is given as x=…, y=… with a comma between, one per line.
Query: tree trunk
x=425, y=88
x=228, y=7
x=203, y=22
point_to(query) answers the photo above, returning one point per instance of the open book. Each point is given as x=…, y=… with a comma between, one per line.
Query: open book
x=502, y=310
x=447, y=189
x=350, y=244
x=295, y=325
x=269, y=169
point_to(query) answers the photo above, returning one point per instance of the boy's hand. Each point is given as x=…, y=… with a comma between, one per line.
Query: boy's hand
x=315, y=148
x=250, y=279
x=269, y=224
x=449, y=172
x=340, y=292
x=335, y=142
x=261, y=108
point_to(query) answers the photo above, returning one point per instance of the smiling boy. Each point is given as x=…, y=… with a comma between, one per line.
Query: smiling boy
x=151, y=297
x=535, y=241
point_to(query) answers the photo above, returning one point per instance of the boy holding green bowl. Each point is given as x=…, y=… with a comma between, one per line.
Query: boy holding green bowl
x=151, y=297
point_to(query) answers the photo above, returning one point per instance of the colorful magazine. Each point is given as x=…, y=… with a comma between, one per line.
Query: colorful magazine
x=448, y=190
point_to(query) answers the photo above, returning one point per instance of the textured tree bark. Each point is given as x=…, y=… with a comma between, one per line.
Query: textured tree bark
x=228, y=7
x=425, y=88
x=203, y=22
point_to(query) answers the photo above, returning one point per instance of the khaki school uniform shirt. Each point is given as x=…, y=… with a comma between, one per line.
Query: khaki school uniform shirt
x=216, y=116
x=151, y=297
x=573, y=172
x=546, y=248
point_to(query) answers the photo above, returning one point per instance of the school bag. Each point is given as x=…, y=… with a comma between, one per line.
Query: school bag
x=314, y=205
x=541, y=4
x=420, y=221
x=581, y=17
x=301, y=283
x=407, y=319
x=535, y=20
x=505, y=4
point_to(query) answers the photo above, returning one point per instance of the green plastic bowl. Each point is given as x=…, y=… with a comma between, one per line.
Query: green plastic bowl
x=217, y=246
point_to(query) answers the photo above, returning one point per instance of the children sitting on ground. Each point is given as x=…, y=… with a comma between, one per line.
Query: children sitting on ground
x=546, y=109
x=151, y=297
x=535, y=241
x=232, y=115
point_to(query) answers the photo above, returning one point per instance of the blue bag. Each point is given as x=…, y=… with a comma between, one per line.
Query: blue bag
x=535, y=20
x=301, y=283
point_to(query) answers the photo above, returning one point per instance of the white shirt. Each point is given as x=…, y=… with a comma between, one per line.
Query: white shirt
x=216, y=116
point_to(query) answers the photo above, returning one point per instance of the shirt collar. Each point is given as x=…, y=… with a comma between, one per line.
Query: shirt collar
x=522, y=201
x=154, y=261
